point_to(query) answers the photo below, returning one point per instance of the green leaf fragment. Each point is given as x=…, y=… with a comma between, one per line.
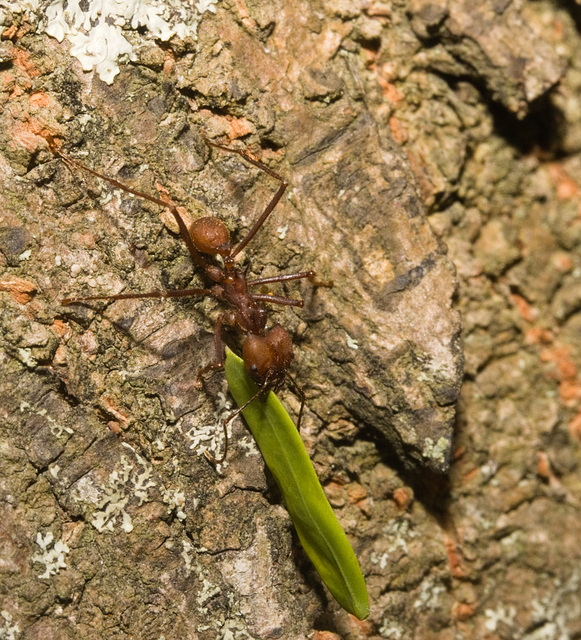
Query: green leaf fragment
x=285, y=455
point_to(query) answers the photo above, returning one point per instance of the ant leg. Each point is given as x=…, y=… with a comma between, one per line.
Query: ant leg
x=282, y=278
x=178, y=293
x=300, y=393
x=271, y=205
x=219, y=347
x=184, y=232
x=267, y=297
x=311, y=275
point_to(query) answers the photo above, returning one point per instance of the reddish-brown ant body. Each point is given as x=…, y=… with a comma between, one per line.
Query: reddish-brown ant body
x=267, y=353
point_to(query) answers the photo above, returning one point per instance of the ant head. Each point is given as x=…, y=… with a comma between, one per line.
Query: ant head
x=267, y=358
x=259, y=358
x=211, y=236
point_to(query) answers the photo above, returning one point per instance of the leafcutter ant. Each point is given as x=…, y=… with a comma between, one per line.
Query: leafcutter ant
x=267, y=353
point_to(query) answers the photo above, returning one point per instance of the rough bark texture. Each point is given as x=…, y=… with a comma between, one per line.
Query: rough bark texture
x=407, y=130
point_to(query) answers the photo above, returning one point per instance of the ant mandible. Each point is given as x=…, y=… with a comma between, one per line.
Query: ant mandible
x=267, y=353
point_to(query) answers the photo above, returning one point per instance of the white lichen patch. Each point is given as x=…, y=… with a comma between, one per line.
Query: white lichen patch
x=97, y=29
x=210, y=436
x=176, y=501
x=52, y=554
x=501, y=614
x=8, y=629
x=248, y=444
x=555, y=610
x=351, y=343
x=188, y=555
x=397, y=533
x=390, y=629
x=429, y=596
x=124, y=483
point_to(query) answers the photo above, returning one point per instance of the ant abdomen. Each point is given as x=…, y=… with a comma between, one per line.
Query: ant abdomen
x=211, y=236
x=280, y=339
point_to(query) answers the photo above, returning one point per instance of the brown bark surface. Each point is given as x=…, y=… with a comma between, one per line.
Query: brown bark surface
x=433, y=154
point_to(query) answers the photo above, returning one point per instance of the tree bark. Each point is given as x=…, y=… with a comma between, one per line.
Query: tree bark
x=434, y=170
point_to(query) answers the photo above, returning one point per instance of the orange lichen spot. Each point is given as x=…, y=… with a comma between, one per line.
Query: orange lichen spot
x=574, y=426
x=398, y=130
x=240, y=127
x=325, y=635
x=459, y=452
x=543, y=466
x=526, y=310
x=335, y=494
x=392, y=93
x=455, y=559
x=244, y=15
x=538, y=335
x=24, y=62
x=60, y=356
x=356, y=492
x=10, y=32
x=21, y=290
x=566, y=373
x=403, y=497
x=60, y=329
x=120, y=413
x=16, y=92
x=21, y=135
x=169, y=62
x=561, y=357
x=462, y=611
x=470, y=475
x=86, y=240
x=40, y=99
x=565, y=186
x=562, y=261
x=570, y=392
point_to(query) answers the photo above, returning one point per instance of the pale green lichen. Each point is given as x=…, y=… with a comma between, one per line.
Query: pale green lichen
x=52, y=554
x=56, y=428
x=176, y=501
x=436, y=450
x=122, y=484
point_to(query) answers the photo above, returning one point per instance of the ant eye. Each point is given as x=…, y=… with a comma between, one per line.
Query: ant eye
x=253, y=368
